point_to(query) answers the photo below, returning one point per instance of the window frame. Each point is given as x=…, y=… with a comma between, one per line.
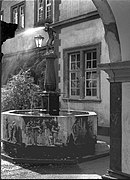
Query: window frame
x=17, y=6
x=37, y=21
x=66, y=78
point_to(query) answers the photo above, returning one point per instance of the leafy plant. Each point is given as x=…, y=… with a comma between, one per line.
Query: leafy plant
x=20, y=93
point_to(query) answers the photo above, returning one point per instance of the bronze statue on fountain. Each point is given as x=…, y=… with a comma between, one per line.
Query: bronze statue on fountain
x=51, y=33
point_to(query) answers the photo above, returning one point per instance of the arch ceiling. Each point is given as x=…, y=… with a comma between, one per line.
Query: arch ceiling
x=115, y=15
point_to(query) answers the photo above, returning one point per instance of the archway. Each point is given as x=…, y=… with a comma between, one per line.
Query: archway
x=112, y=13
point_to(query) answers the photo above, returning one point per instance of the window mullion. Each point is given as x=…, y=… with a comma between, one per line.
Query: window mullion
x=82, y=93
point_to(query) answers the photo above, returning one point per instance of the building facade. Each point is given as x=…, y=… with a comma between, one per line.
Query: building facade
x=79, y=44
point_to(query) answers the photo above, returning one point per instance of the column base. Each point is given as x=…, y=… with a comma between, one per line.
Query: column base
x=115, y=175
x=50, y=102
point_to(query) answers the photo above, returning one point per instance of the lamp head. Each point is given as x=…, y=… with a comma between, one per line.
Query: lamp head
x=39, y=40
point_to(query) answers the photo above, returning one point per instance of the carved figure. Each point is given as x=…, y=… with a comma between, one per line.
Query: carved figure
x=55, y=129
x=51, y=33
x=13, y=132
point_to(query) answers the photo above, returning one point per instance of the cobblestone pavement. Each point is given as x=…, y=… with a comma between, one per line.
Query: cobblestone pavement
x=85, y=170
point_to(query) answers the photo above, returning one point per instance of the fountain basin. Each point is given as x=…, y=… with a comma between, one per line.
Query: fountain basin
x=36, y=135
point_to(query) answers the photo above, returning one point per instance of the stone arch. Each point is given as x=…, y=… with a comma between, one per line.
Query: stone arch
x=111, y=31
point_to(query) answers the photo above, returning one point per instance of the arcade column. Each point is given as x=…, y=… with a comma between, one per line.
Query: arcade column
x=119, y=78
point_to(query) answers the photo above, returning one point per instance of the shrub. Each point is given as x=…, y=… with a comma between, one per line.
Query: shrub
x=19, y=92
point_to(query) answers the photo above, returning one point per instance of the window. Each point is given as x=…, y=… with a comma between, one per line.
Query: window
x=18, y=15
x=1, y=15
x=82, y=76
x=44, y=9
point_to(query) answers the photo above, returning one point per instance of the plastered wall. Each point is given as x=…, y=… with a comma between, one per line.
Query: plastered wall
x=87, y=33
x=72, y=8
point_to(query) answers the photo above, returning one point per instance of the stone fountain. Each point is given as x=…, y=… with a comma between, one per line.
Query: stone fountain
x=48, y=135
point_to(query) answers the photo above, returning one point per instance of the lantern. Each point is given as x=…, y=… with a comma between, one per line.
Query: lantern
x=38, y=40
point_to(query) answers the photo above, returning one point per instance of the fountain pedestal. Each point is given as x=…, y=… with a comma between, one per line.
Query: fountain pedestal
x=50, y=98
x=50, y=79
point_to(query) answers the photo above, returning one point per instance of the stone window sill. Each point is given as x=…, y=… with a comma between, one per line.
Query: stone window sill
x=82, y=100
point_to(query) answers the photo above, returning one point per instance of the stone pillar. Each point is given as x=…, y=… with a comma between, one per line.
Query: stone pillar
x=126, y=127
x=115, y=125
x=119, y=77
